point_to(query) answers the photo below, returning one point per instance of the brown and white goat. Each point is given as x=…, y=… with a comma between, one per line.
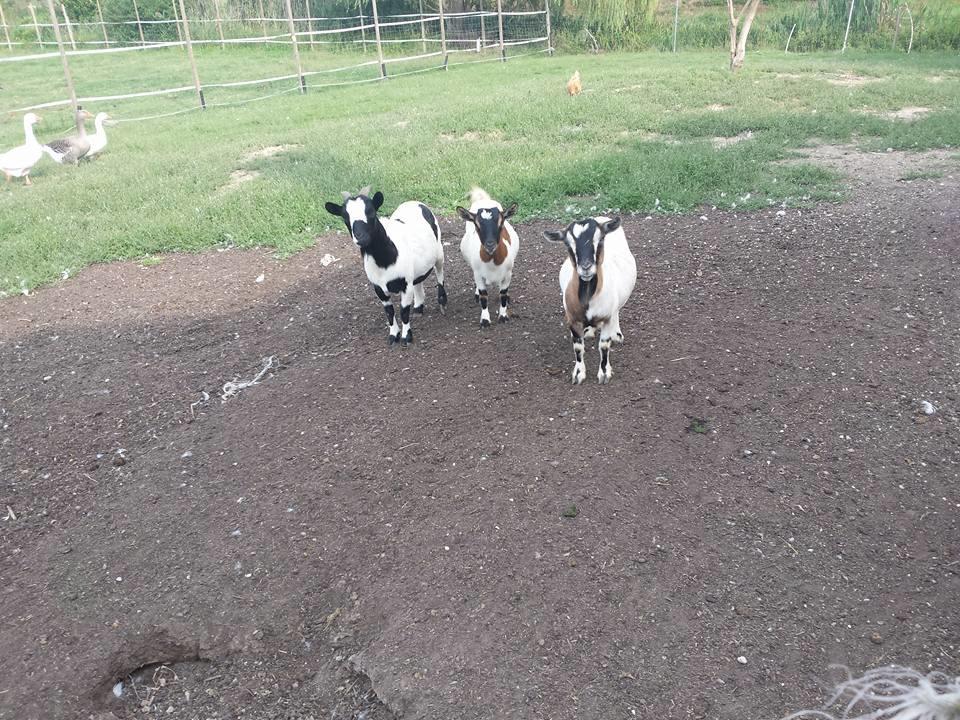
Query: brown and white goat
x=596, y=280
x=490, y=246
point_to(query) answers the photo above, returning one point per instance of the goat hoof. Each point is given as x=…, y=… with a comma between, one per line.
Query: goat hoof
x=418, y=309
x=484, y=323
x=392, y=339
x=407, y=339
x=618, y=337
x=579, y=373
x=476, y=298
x=503, y=318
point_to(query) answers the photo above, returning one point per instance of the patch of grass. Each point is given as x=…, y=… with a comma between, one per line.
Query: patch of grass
x=641, y=138
x=922, y=175
x=698, y=426
x=152, y=260
x=570, y=512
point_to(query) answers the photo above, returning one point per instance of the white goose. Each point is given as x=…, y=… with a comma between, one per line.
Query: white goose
x=19, y=161
x=98, y=141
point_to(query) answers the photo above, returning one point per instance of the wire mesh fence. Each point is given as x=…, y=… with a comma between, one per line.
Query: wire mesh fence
x=323, y=50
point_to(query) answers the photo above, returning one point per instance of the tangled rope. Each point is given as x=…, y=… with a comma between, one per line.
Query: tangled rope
x=233, y=388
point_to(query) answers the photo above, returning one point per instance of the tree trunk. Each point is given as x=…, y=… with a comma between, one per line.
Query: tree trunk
x=738, y=35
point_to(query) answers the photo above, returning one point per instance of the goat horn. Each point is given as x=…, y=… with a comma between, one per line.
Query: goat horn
x=365, y=191
x=346, y=195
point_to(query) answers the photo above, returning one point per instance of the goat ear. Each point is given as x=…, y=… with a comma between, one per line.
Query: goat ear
x=377, y=200
x=554, y=235
x=334, y=209
x=466, y=214
x=508, y=213
x=610, y=225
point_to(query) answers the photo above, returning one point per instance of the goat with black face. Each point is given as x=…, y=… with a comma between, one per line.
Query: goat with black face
x=398, y=252
x=490, y=246
x=596, y=280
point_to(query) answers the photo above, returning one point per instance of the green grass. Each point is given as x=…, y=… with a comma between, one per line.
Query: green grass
x=639, y=139
x=922, y=175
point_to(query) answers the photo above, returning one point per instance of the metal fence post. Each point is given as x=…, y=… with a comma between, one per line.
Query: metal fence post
x=363, y=30
x=176, y=21
x=296, y=48
x=216, y=9
x=443, y=34
x=376, y=30
x=6, y=31
x=36, y=26
x=676, y=23
x=503, y=52
x=63, y=56
x=193, y=61
x=423, y=28
x=483, y=27
x=136, y=12
x=263, y=18
x=103, y=27
x=847, y=33
x=66, y=20
x=310, y=24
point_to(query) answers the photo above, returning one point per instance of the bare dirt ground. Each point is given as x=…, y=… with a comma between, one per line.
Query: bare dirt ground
x=452, y=530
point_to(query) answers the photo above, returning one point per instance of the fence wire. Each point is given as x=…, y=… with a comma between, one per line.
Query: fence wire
x=408, y=44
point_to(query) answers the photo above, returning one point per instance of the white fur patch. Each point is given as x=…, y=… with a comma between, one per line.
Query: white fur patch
x=356, y=210
x=579, y=229
x=486, y=214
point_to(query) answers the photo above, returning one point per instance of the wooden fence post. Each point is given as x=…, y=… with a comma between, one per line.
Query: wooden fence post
x=847, y=33
x=376, y=30
x=216, y=9
x=443, y=34
x=263, y=18
x=103, y=26
x=66, y=19
x=676, y=23
x=136, y=12
x=193, y=61
x=36, y=26
x=6, y=31
x=546, y=9
x=296, y=48
x=503, y=52
x=176, y=20
x=310, y=24
x=63, y=56
x=423, y=29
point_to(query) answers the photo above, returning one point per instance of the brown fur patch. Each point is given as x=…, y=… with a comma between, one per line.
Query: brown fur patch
x=500, y=254
x=575, y=311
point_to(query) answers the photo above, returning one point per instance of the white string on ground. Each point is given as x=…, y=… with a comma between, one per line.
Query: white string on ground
x=233, y=387
x=891, y=693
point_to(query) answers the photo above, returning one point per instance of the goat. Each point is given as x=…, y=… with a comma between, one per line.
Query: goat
x=398, y=254
x=490, y=246
x=596, y=280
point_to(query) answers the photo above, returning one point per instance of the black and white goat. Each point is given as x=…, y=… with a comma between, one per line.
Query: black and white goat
x=398, y=254
x=490, y=246
x=596, y=280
